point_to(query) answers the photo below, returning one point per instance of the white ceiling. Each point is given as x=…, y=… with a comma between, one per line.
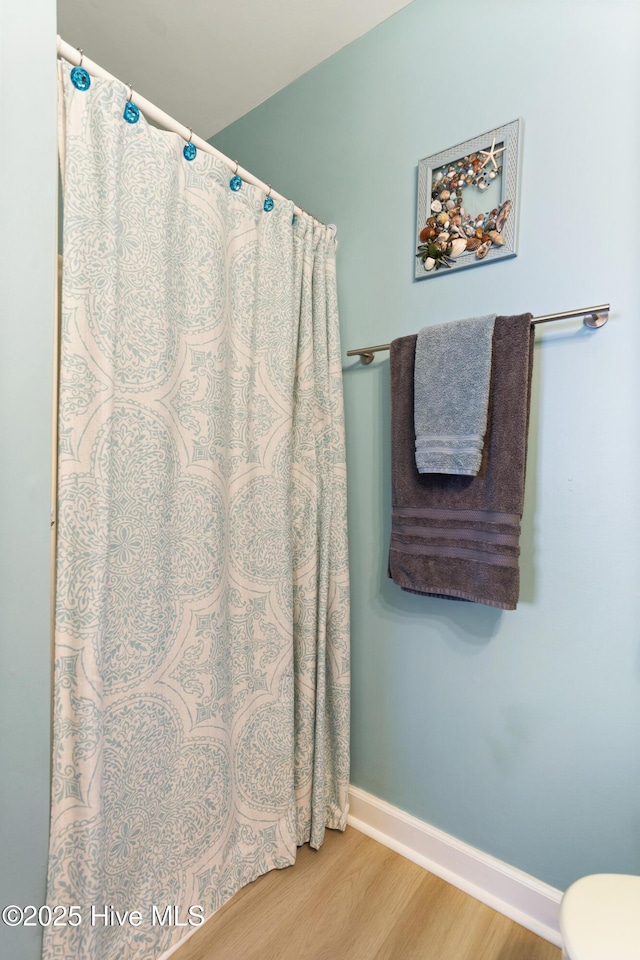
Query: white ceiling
x=208, y=63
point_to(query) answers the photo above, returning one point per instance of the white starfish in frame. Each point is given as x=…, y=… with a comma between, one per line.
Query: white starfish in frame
x=491, y=155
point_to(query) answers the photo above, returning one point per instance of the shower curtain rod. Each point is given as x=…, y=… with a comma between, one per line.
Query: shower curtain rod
x=593, y=317
x=74, y=56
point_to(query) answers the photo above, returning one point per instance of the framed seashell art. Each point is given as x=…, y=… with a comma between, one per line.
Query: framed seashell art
x=467, y=203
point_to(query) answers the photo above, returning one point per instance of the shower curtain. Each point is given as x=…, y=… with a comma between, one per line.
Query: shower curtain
x=201, y=701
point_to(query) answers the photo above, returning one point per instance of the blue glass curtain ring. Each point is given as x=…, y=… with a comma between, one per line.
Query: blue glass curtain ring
x=131, y=112
x=236, y=182
x=268, y=201
x=79, y=76
x=189, y=150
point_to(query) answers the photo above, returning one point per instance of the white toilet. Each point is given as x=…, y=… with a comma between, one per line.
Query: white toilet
x=600, y=918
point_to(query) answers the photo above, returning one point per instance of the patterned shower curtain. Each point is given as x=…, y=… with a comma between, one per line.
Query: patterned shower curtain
x=201, y=655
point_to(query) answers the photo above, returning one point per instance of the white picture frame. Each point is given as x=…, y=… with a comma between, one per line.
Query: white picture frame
x=497, y=149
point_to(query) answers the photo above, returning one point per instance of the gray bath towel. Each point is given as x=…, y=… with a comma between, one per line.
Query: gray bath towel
x=455, y=536
x=451, y=395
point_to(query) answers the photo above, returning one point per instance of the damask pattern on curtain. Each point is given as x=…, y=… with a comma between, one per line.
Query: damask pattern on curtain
x=201, y=713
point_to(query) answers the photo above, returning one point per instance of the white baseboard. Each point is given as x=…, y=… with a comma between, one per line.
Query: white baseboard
x=517, y=895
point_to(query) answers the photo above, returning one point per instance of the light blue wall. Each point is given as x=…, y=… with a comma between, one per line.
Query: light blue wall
x=517, y=732
x=27, y=270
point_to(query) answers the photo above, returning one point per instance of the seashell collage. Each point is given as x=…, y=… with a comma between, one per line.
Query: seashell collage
x=450, y=231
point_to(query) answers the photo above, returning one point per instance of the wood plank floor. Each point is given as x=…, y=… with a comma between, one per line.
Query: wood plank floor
x=357, y=900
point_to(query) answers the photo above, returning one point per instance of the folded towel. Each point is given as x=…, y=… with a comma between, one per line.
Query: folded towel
x=458, y=536
x=451, y=395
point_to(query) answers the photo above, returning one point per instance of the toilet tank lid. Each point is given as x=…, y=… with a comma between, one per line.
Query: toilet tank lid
x=600, y=917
